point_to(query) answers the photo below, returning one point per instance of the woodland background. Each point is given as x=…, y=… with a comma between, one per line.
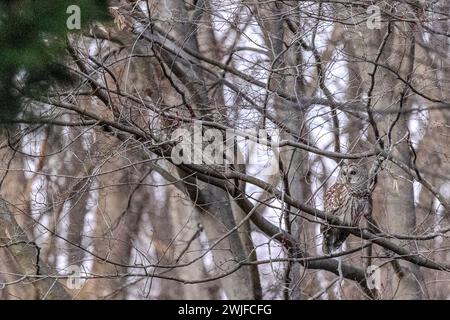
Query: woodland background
x=87, y=179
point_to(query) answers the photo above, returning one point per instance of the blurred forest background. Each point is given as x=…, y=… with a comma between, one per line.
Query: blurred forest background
x=92, y=205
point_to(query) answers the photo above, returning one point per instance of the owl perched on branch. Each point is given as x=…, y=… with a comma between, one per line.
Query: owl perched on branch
x=348, y=199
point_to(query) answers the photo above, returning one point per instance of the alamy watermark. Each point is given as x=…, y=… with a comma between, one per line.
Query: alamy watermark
x=374, y=19
x=73, y=22
x=373, y=279
x=74, y=280
x=199, y=145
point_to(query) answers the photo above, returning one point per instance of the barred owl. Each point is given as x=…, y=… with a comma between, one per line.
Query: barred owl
x=347, y=199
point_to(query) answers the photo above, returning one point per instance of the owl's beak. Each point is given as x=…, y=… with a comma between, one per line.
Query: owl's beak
x=347, y=178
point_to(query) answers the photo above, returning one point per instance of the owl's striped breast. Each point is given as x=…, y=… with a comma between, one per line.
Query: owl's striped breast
x=349, y=207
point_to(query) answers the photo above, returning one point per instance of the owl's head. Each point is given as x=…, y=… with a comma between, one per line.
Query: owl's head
x=354, y=176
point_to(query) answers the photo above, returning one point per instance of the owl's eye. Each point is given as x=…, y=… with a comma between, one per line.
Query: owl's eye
x=353, y=172
x=344, y=173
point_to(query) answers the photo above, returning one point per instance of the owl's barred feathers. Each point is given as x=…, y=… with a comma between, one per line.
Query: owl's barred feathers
x=334, y=197
x=347, y=199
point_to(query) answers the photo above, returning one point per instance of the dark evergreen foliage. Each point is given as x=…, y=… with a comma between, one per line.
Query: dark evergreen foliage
x=32, y=47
